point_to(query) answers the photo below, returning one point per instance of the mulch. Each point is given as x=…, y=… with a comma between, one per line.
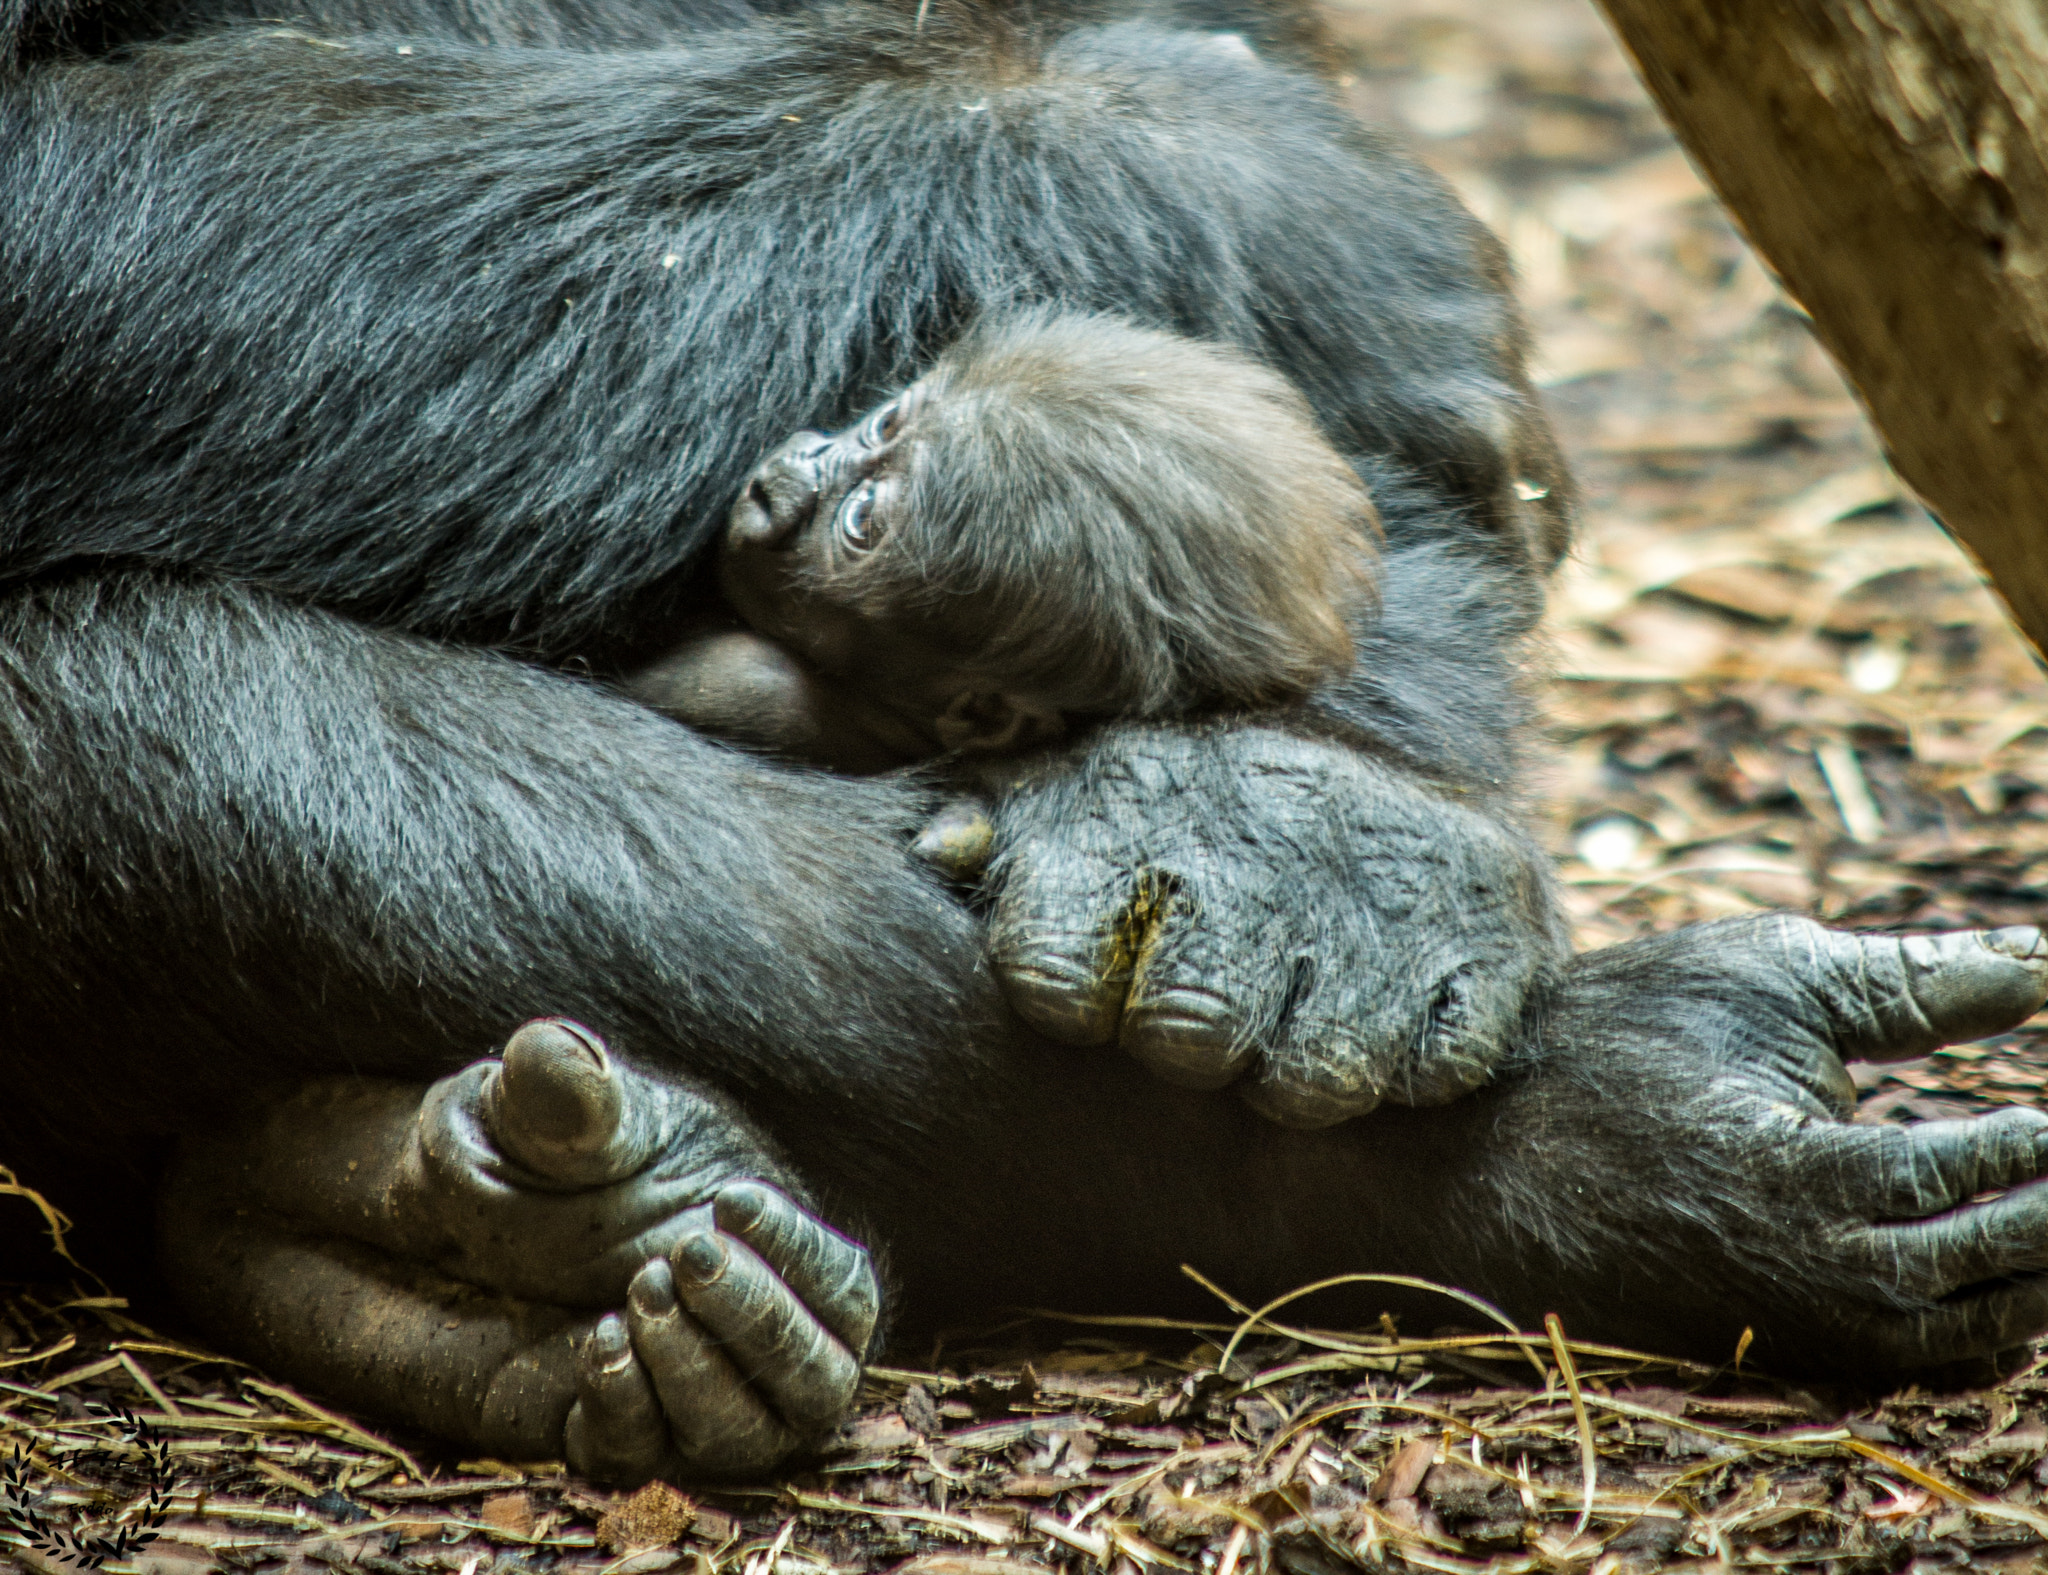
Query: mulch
x=1775, y=683
x=1236, y=1449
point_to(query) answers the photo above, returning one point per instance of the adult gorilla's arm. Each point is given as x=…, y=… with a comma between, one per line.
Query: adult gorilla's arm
x=262, y=840
x=1674, y=1162
x=1709, y=1186
x=265, y=843
x=479, y=343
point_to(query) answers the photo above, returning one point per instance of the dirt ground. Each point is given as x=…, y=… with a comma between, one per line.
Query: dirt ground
x=1775, y=684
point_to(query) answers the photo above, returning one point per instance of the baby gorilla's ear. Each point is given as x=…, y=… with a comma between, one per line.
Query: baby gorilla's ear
x=988, y=722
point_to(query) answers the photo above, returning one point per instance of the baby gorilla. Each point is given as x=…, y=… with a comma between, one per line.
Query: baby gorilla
x=1067, y=517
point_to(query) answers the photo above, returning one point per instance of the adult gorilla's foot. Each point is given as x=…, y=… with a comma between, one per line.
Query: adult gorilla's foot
x=1685, y=1168
x=544, y=1255
x=735, y=1349
x=1239, y=905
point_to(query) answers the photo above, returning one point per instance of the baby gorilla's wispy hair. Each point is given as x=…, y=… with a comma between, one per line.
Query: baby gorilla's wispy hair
x=1124, y=521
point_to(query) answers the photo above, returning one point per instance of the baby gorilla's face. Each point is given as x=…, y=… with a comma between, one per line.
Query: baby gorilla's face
x=793, y=551
x=797, y=542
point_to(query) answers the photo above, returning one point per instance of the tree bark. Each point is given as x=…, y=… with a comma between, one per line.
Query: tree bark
x=1887, y=158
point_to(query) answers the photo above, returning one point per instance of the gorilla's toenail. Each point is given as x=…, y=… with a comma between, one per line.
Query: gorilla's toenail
x=701, y=1258
x=609, y=1339
x=2019, y=940
x=654, y=1290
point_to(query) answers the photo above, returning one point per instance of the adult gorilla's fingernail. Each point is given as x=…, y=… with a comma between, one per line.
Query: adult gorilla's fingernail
x=653, y=1291
x=700, y=1258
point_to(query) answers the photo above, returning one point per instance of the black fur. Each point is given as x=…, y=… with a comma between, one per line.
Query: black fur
x=391, y=334
x=415, y=350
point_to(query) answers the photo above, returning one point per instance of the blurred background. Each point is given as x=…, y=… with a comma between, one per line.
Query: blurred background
x=1774, y=682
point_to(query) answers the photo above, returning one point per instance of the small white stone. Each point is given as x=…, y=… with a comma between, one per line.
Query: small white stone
x=1875, y=666
x=1610, y=843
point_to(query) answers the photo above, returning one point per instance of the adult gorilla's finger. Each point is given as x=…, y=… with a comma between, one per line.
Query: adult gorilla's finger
x=1188, y=1016
x=1986, y=1241
x=831, y=1275
x=771, y=1337
x=1055, y=938
x=616, y=1430
x=717, y=1422
x=1326, y=1073
x=1417, y=1040
x=1933, y=1166
x=1894, y=997
x=1967, y=1328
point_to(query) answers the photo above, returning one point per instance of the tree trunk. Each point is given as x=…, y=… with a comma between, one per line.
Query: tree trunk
x=1887, y=158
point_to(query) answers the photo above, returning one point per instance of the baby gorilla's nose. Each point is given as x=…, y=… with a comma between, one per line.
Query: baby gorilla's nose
x=781, y=495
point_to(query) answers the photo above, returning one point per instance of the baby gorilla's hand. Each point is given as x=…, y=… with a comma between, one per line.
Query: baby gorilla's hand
x=438, y=1255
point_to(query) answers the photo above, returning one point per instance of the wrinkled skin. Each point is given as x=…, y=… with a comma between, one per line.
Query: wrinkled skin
x=553, y=1180
x=1195, y=953
x=668, y=1306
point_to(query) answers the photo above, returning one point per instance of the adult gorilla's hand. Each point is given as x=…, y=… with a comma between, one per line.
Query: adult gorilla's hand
x=455, y=1259
x=1688, y=1116
x=1240, y=903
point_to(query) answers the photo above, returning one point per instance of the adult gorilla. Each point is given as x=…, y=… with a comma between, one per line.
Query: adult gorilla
x=366, y=384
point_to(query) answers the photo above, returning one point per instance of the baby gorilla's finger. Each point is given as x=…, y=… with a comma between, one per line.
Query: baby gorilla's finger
x=1053, y=939
x=771, y=1338
x=1894, y=997
x=1933, y=1166
x=616, y=1430
x=1982, y=1242
x=717, y=1422
x=959, y=840
x=832, y=1276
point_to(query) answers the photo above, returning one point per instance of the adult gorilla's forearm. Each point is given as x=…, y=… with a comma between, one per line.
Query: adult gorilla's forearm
x=248, y=838
x=1670, y=1165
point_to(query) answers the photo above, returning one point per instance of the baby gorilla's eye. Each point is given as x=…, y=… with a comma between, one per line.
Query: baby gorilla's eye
x=857, y=526
x=883, y=425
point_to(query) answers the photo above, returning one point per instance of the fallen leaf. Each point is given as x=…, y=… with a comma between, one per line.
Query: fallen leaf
x=511, y=1512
